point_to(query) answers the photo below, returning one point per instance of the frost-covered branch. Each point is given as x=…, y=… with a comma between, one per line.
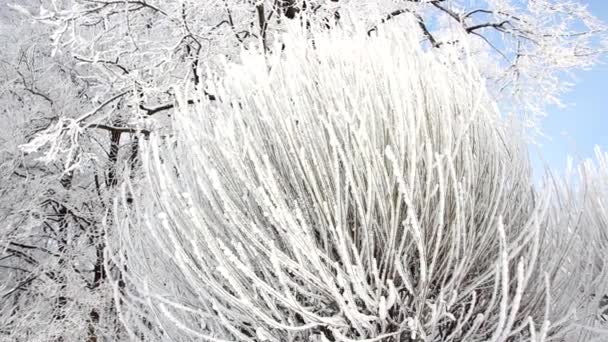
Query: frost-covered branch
x=347, y=198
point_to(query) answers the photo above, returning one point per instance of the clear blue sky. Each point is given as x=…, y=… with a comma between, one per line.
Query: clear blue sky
x=576, y=129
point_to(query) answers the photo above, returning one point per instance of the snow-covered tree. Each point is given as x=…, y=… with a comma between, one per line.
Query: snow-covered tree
x=51, y=207
x=138, y=50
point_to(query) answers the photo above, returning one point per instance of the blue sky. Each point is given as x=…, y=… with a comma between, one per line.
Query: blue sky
x=576, y=129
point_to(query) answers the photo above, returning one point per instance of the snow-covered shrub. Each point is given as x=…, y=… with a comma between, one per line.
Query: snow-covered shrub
x=577, y=244
x=345, y=188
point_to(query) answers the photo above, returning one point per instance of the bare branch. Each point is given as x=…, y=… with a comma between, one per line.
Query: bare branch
x=498, y=26
x=100, y=107
x=113, y=63
x=115, y=129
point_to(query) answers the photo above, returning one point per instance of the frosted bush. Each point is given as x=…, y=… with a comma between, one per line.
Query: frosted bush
x=350, y=188
x=577, y=244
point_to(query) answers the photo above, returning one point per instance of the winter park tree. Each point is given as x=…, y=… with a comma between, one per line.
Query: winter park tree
x=87, y=82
